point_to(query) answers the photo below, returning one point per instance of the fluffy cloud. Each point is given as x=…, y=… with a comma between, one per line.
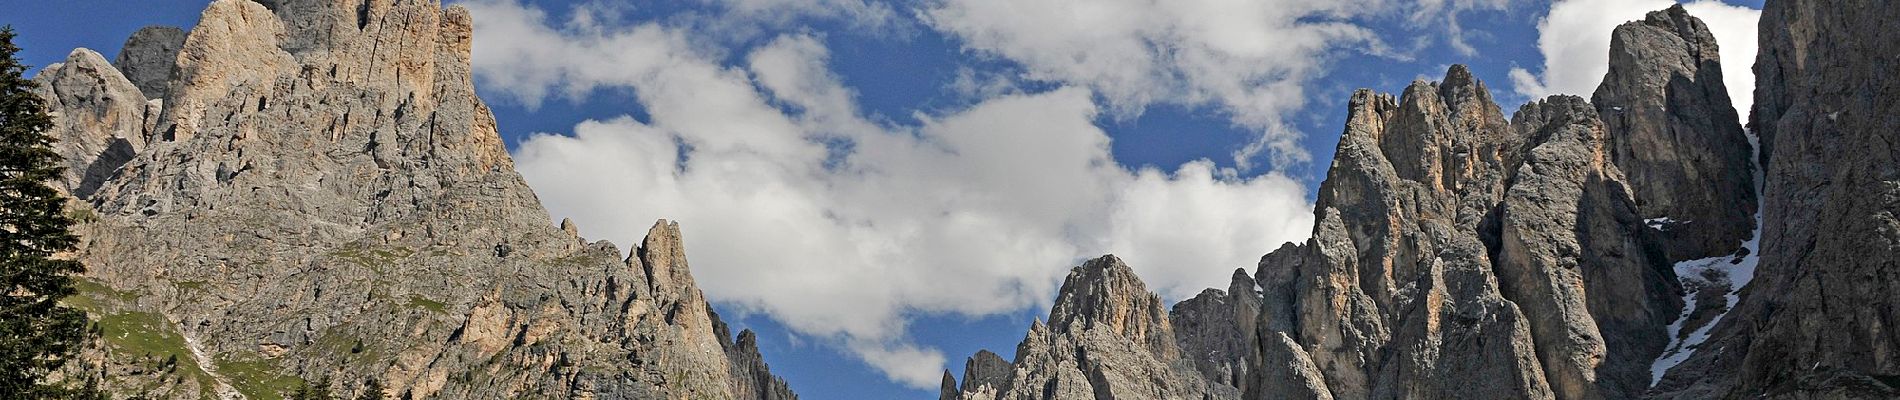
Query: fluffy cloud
x=1575, y=40
x=797, y=207
x=857, y=11
x=1247, y=58
x=1445, y=13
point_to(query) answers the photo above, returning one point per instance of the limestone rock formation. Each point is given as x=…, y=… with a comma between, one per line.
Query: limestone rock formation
x=1215, y=330
x=983, y=375
x=1674, y=132
x=1280, y=367
x=1578, y=260
x=752, y=378
x=1107, y=337
x=1818, y=319
x=149, y=56
x=325, y=199
x=305, y=191
x=100, y=118
x=985, y=369
x=1457, y=254
x=1395, y=296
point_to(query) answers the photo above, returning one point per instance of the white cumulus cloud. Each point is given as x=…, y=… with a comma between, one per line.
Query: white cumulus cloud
x=797, y=207
x=1575, y=41
x=1249, y=59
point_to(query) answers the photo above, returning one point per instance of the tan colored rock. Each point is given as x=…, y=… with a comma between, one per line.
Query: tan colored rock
x=233, y=50
x=1597, y=289
x=1395, y=295
x=98, y=118
x=487, y=327
x=334, y=189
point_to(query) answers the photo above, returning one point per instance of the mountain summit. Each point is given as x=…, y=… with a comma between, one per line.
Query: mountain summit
x=1578, y=250
x=313, y=193
x=299, y=193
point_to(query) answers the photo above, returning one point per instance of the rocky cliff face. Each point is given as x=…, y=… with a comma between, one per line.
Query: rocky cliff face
x=101, y=119
x=317, y=195
x=1398, y=276
x=1674, y=132
x=148, y=57
x=1577, y=258
x=1818, y=320
x=1107, y=337
x=1215, y=330
x=305, y=191
x=1458, y=254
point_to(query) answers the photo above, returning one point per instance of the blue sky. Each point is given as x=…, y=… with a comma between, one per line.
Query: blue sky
x=899, y=65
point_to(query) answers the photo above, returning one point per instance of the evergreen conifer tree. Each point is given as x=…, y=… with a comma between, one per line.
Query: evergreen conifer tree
x=37, y=334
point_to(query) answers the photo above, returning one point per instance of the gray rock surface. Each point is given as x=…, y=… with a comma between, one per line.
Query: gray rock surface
x=1578, y=260
x=100, y=119
x=1818, y=320
x=1107, y=337
x=313, y=191
x=1396, y=297
x=1280, y=367
x=148, y=58
x=1673, y=131
x=1215, y=330
x=752, y=378
x=328, y=200
x=1456, y=255
x=984, y=372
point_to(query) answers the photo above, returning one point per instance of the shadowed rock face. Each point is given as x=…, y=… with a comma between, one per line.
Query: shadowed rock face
x=1575, y=256
x=100, y=118
x=1215, y=330
x=148, y=58
x=1674, y=133
x=1818, y=320
x=325, y=198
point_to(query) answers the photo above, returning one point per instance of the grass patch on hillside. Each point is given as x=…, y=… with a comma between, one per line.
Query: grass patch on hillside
x=256, y=377
x=339, y=344
x=190, y=285
x=82, y=214
x=93, y=297
x=151, y=338
x=427, y=304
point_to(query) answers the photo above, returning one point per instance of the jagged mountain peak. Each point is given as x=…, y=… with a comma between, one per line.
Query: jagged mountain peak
x=324, y=196
x=297, y=190
x=1699, y=41
x=100, y=117
x=1674, y=133
x=1107, y=337
x=1105, y=293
